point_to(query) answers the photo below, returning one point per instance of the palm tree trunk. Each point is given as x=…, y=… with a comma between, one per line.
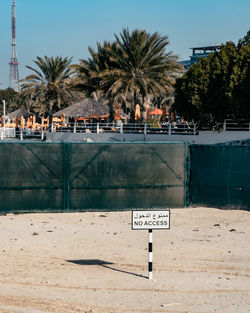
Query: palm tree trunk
x=111, y=109
x=144, y=109
x=50, y=112
x=132, y=111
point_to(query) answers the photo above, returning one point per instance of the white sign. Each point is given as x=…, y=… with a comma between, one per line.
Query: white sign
x=151, y=219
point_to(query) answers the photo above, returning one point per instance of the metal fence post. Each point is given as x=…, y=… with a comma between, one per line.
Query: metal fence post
x=97, y=128
x=74, y=127
x=66, y=176
x=52, y=127
x=169, y=128
x=121, y=129
x=224, y=125
x=21, y=134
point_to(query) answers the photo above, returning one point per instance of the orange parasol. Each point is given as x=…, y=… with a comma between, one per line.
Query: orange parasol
x=156, y=112
x=147, y=114
x=117, y=113
x=29, y=122
x=22, y=122
x=16, y=122
x=34, y=122
x=42, y=122
x=137, y=112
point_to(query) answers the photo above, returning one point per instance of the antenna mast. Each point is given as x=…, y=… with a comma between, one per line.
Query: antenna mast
x=14, y=74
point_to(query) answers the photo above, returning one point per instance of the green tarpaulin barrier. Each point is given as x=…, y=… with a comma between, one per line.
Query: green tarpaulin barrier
x=92, y=176
x=62, y=177
x=220, y=176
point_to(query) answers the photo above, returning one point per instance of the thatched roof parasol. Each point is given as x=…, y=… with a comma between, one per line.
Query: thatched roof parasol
x=87, y=108
x=19, y=112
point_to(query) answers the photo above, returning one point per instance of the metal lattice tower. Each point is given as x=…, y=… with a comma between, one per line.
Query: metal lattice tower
x=14, y=73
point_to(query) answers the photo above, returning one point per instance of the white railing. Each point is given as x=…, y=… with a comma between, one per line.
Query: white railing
x=19, y=133
x=7, y=132
x=241, y=125
x=173, y=128
x=127, y=128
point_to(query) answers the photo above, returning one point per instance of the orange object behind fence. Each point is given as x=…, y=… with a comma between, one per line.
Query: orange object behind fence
x=137, y=112
x=34, y=122
x=147, y=114
x=62, y=119
x=16, y=122
x=164, y=113
x=42, y=122
x=22, y=122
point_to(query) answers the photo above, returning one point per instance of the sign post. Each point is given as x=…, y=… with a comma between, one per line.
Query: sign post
x=149, y=220
x=150, y=254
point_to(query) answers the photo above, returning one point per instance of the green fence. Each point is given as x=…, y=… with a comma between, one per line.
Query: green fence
x=220, y=176
x=60, y=177
x=92, y=176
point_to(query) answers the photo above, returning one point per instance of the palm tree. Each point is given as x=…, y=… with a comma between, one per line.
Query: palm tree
x=143, y=68
x=134, y=68
x=87, y=76
x=49, y=84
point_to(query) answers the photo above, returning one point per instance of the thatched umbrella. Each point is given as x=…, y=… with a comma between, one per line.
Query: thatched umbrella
x=87, y=109
x=18, y=113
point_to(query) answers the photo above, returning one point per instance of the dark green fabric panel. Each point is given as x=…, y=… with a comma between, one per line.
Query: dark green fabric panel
x=122, y=198
x=31, y=177
x=31, y=200
x=220, y=176
x=126, y=164
x=67, y=176
x=132, y=175
x=24, y=165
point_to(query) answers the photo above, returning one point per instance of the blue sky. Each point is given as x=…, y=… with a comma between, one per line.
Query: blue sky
x=68, y=27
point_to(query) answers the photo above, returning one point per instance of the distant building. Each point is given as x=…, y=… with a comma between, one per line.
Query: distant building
x=186, y=64
x=199, y=53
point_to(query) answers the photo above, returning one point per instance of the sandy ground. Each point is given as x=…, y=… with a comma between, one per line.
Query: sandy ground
x=93, y=262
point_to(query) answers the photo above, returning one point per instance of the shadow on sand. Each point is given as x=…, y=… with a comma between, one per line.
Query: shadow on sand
x=103, y=264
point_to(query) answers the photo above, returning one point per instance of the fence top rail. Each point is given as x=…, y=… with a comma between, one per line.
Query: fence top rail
x=98, y=143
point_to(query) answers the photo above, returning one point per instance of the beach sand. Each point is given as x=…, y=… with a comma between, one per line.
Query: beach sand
x=94, y=262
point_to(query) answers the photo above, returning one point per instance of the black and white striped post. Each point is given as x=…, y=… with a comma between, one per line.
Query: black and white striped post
x=149, y=220
x=150, y=254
